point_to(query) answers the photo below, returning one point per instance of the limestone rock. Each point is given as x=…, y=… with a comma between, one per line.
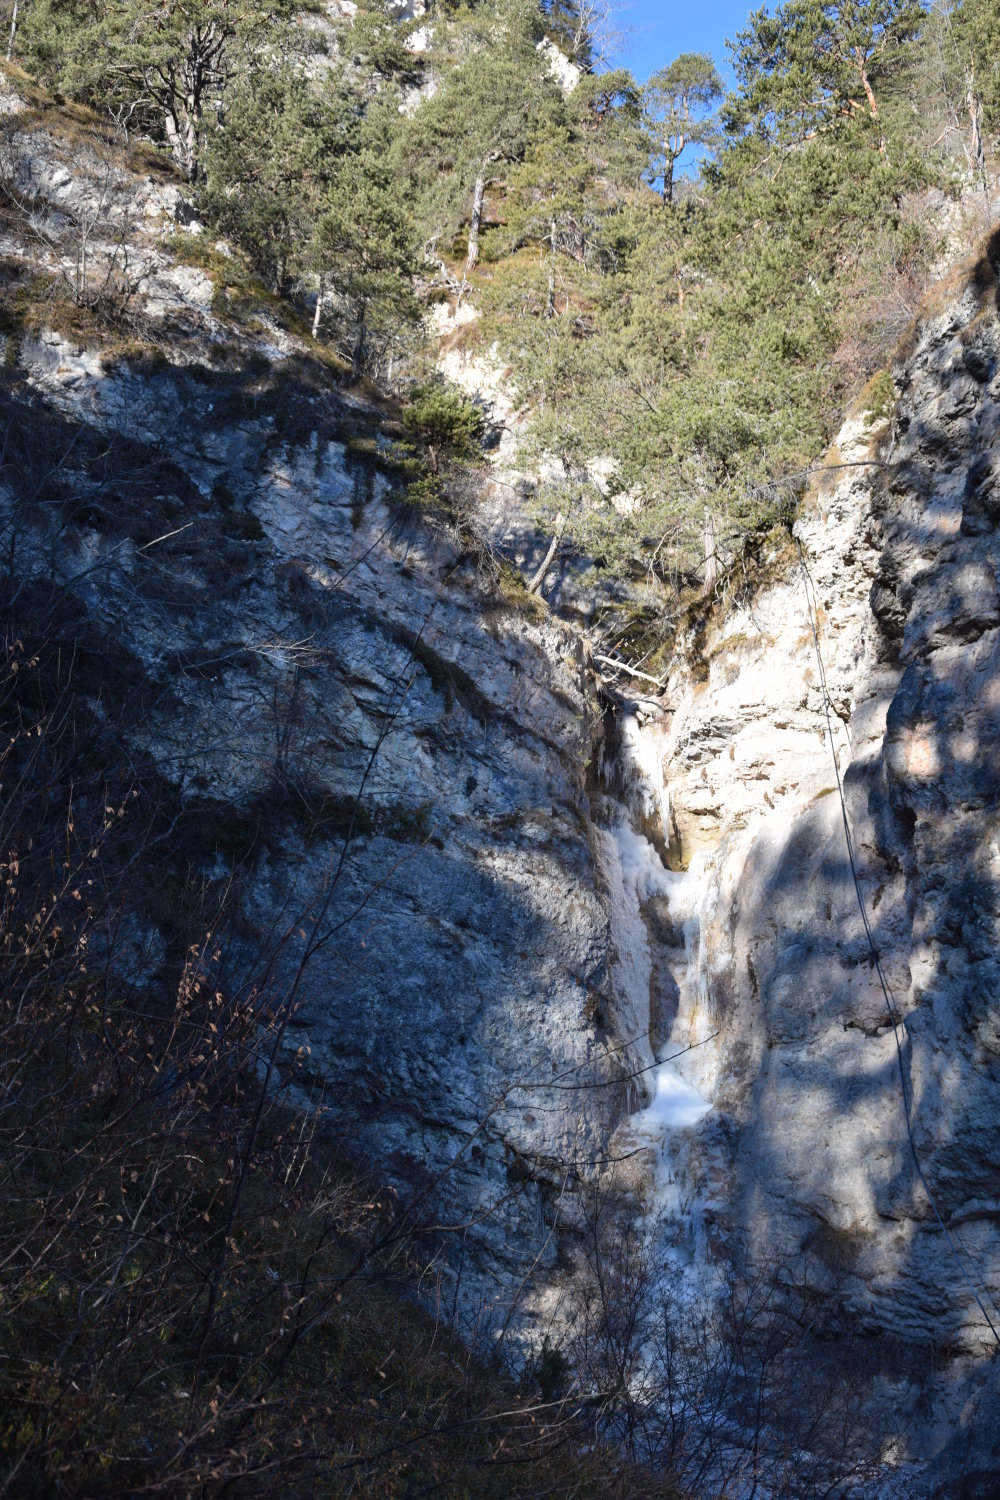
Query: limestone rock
x=898, y=576
x=411, y=751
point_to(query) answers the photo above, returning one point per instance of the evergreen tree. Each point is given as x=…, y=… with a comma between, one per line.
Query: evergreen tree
x=584, y=164
x=480, y=121
x=268, y=163
x=704, y=350
x=814, y=65
x=700, y=355
x=362, y=245
x=967, y=40
x=171, y=62
x=376, y=41
x=678, y=103
x=566, y=25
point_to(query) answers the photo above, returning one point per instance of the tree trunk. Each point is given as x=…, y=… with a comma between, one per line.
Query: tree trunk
x=869, y=95
x=866, y=83
x=13, y=32
x=668, y=181
x=536, y=582
x=193, y=111
x=318, y=314
x=711, y=561
x=358, y=352
x=182, y=138
x=974, y=105
x=478, y=199
x=191, y=151
x=550, y=302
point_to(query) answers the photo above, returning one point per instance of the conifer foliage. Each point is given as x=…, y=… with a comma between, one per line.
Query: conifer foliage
x=685, y=282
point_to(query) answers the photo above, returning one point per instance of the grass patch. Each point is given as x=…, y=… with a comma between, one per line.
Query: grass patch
x=727, y=644
x=513, y=591
x=34, y=302
x=878, y=399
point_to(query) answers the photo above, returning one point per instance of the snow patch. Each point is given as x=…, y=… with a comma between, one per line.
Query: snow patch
x=676, y=1105
x=679, y=1084
x=636, y=771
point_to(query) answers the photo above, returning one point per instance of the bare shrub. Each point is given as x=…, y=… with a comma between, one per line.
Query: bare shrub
x=887, y=286
x=87, y=244
x=100, y=264
x=737, y=1393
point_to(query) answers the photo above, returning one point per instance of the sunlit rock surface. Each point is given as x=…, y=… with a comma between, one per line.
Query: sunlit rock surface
x=898, y=571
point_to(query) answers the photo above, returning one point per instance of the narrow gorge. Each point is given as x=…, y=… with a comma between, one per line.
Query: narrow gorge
x=631, y=1027
x=565, y=941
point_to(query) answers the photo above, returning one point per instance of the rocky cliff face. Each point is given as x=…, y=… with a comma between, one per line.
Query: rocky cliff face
x=367, y=747
x=374, y=748
x=366, y=739
x=805, y=1154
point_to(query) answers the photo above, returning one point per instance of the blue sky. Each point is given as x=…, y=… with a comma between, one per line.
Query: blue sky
x=660, y=29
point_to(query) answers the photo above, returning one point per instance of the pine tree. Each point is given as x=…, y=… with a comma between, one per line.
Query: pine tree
x=170, y=62
x=376, y=41
x=362, y=246
x=585, y=162
x=268, y=163
x=813, y=66
x=480, y=121
x=678, y=103
x=970, y=54
x=566, y=24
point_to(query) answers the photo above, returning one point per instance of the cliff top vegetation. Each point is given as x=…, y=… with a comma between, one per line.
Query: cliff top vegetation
x=692, y=332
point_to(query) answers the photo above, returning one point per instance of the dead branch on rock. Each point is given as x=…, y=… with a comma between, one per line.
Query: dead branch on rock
x=539, y=578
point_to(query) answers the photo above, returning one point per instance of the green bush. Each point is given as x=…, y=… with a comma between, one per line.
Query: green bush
x=881, y=399
x=441, y=420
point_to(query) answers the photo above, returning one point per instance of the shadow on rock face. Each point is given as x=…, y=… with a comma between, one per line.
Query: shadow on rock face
x=824, y=1156
x=355, y=748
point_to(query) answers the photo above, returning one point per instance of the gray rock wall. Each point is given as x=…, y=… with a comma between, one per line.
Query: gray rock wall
x=901, y=560
x=379, y=752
